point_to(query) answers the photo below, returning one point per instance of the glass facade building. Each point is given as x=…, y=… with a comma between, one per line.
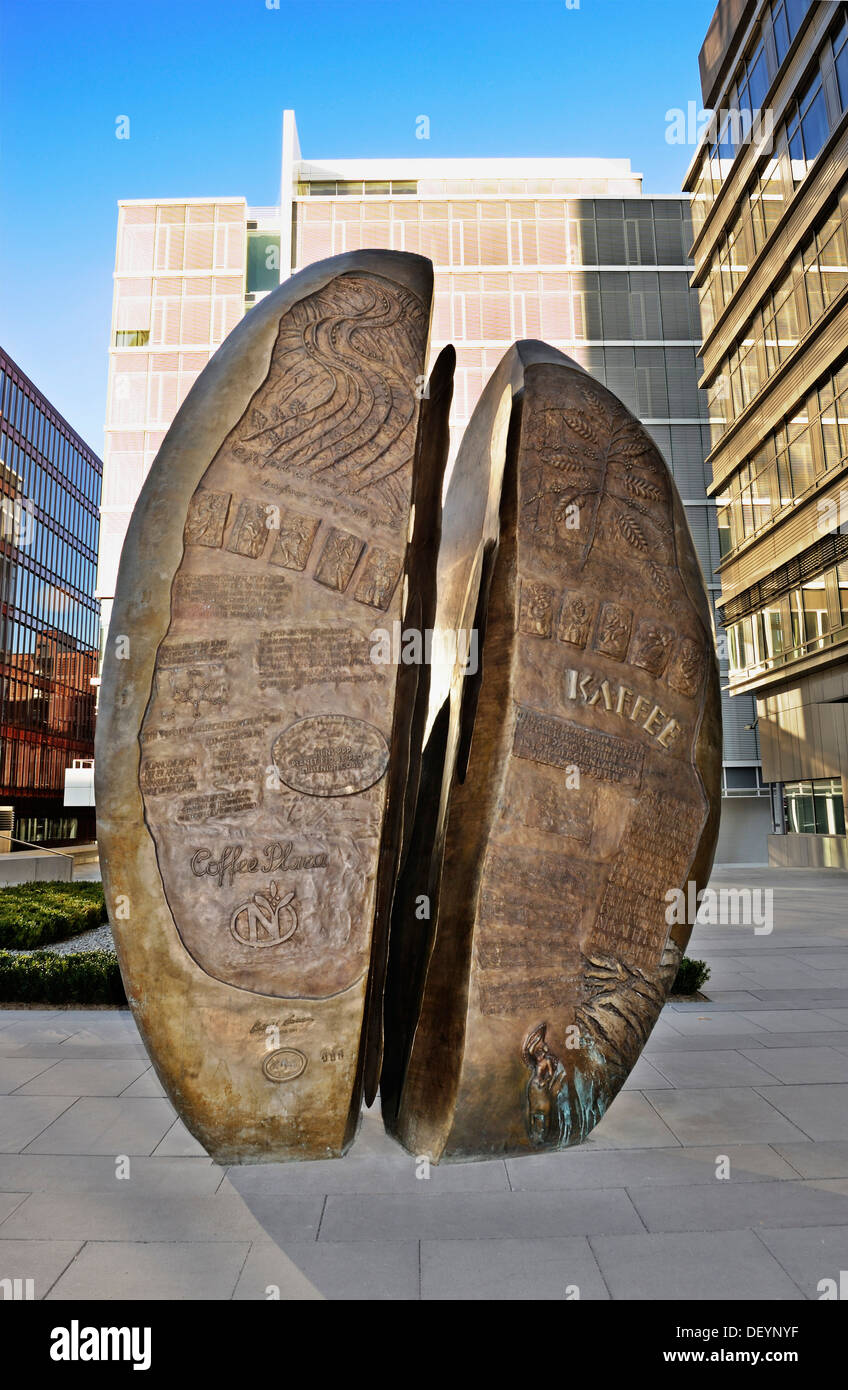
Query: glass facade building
x=567, y=250
x=770, y=217
x=50, y=484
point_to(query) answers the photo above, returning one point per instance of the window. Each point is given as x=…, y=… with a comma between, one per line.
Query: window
x=753, y=82
x=355, y=188
x=840, y=61
x=793, y=626
x=135, y=337
x=807, y=129
x=263, y=262
x=816, y=807
x=787, y=16
x=780, y=323
x=842, y=587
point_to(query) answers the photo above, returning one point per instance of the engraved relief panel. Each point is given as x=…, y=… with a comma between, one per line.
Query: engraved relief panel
x=263, y=795
x=207, y=517
x=537, y=609
x=575, y=619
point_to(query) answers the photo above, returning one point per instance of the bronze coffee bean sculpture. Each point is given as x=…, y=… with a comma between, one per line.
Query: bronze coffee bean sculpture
x=390, y=795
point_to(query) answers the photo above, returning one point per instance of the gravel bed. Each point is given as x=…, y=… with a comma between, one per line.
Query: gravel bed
x=97, y=939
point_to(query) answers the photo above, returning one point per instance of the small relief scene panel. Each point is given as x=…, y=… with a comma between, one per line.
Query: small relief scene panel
x=207, y=518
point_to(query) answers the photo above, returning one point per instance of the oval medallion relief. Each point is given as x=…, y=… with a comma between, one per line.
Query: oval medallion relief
x=330, y=755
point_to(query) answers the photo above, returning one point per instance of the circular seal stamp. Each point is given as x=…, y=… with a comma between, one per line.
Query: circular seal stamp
x=330, y=755
x=284, y=1065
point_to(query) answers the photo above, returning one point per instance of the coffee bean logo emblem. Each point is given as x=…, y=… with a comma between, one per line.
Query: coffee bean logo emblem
x=265, y=920
x=284, y=1065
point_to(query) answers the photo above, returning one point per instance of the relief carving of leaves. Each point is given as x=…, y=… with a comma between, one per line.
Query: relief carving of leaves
x=651, y=517
x=660, y=579
x=595, y=403
x=572, y=469
x=581, y=425
x=631, y=531
x=634, y=447
x=640, y=487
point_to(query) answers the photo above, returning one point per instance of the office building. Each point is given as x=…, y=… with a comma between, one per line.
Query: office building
x=770, y=203
x=49, y=618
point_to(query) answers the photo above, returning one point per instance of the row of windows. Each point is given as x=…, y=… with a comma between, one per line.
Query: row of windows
x=760, y=211
x=47, y=704
x=33, y=701
x=145, y=396
x=40, y=830
x=48, y=604
x=24, y=413
x=43, y=496
x=344, y=188
x=794, y=458
x=34, y=764
x=803, y=132
x=803, y=621
x=814, y=808
x=591, y=305
x=167, y=311
x=456, y=188
x=165, y=237
x=617, y=232
x=817, y=274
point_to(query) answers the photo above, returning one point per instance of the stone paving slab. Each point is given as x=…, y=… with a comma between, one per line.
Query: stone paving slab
x=725, y=1206
x=724, y=1115
x=100, y=1173
x=90, y=1077
x=24, y=1118
x=733, y=1265
x=819, y=1111
x=648, y=1168
x=477, y=1215
x=43, y=1261
x=368, y=1173
x=356, y=1270
x=801, y=1064
x=105, y=1193
x=809, y=1254
x=811, y=1160
x=714, y=1068
x=102, y=1126
x=146, y=1216
x=510, y=1270
x=152, y=1270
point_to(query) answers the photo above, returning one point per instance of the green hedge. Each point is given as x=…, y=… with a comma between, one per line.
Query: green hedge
x=691, y=974
x=44, y=977
x=34, y=914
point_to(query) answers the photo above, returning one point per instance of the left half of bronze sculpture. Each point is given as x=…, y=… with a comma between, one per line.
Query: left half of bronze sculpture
x=252, y=753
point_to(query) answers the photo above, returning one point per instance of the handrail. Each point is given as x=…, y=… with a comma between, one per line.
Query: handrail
x=833, y=638
x=44, y=849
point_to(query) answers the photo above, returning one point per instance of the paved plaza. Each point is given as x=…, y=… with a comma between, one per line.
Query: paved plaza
x=755, y=1080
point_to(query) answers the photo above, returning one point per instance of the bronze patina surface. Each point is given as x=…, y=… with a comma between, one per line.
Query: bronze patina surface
x=566, y=787
x=248, y=745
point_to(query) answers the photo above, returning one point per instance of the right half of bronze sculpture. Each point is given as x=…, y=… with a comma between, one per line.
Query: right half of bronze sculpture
x=568, y=784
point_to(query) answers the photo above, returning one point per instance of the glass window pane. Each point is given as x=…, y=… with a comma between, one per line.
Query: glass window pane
x=814, y=123
x=781, y=32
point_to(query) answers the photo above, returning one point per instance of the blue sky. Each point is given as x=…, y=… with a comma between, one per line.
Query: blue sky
x=204, y=83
